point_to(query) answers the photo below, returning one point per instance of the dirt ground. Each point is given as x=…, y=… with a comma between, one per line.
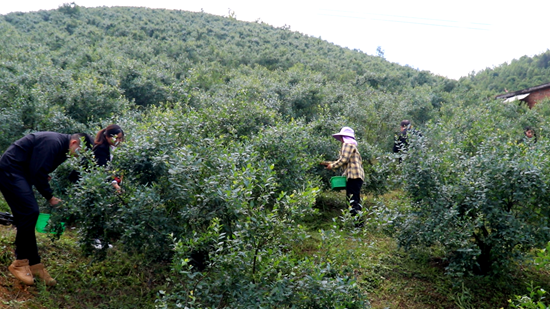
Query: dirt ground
x=13, y=293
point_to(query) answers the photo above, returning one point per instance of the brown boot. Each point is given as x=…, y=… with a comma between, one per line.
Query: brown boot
x=39, y=271
x=22, y=271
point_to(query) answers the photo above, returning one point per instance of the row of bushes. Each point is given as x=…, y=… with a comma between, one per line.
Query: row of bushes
x=227, y=212
x=479, y=190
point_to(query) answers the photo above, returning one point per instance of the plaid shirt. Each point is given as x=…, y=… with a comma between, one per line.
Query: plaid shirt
x=350, y=160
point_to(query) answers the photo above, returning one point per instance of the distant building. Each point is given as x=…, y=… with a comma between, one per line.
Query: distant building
x=530, y=95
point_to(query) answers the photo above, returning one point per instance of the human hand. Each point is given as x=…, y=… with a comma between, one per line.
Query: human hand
x=54, y=201
x=329, y=166
x=117, y=187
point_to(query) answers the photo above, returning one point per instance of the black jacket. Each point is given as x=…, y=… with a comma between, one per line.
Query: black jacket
x=35, y=156
x=102, y=153
x=402, y=139
x=401, y=142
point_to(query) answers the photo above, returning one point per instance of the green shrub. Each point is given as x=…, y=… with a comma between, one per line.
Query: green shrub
x=485, y=209
x=535, y=299
x=255, y=269
x=177, y=178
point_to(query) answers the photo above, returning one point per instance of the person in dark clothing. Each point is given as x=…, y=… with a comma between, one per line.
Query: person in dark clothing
x=530, y=135
x=401, y=144
x=105, y=141
x=401, y=140
x=26, y=163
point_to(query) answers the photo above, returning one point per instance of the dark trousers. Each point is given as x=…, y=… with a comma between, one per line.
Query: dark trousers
x=19, y=195
x=353, y=192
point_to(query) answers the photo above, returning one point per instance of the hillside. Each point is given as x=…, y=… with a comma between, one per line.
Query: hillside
x=78, y=65
x=224, y=202
x=519, y=74
x=186, y=39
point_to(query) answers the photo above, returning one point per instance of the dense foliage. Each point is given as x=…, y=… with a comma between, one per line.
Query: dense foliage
x=479, y=189
x=519, y=74
x=69, y=68
x=232, y=207
x=536, y=298
x=226, y=123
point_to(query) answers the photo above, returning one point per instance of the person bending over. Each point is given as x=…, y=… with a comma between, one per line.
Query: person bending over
x=27, y=163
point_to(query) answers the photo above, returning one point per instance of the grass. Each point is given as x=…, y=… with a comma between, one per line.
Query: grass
x=388, y=276
x=393, y=278
x=120, y=281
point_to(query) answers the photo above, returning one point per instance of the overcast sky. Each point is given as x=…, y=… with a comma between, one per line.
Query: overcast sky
x=448, y=38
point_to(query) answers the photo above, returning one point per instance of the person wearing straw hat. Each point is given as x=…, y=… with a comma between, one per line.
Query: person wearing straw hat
x=352, y=164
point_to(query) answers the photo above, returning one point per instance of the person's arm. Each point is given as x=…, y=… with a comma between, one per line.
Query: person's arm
x=345, y=155
x=47, y=154
x=40, y=180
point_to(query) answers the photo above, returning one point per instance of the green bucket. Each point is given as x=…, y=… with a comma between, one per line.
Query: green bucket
x=338, y=182
x=42, y=222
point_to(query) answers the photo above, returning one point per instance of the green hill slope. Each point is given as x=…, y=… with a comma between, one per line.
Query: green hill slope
x=224, y=202
x=519, y=74
x=190, y=38
x=75, y=66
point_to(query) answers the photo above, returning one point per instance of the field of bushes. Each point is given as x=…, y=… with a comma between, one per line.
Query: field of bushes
x=224, y=202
